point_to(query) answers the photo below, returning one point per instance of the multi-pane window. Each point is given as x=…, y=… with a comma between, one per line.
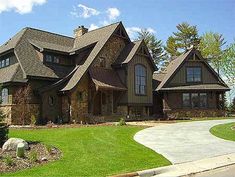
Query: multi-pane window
x=194, y=100
x=52, y=59
x=4, y=96
x=140, y=79
x=4, y=62
x=193, y=74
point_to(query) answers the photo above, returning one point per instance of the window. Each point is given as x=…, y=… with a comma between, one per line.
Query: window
x=186, y=100
x=194, y=100
x=4, y=96
x=52, y=59
x=48, y=58
x=193, y=74
x=203, y=100
x=4, y=62
x=140, y=79
x=51, y=100
x=56, y=59
x=7, y=62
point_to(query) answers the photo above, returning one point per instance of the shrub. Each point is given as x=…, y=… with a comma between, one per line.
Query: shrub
x=122, y=122
x=33, y=156
x=3, y=133
x=9, y=161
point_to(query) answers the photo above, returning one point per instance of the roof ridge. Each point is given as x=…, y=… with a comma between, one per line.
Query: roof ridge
x=54, y=33
x=104, y=26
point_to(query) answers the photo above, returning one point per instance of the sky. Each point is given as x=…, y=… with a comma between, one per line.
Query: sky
x=158, y=16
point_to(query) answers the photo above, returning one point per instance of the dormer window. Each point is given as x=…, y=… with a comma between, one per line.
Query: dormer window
x=193, y=74
x=52, y=59
x=48, y=58
x=4, y=62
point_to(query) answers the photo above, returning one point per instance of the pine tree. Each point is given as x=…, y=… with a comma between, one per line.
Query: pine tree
x=185, y=38
x=154, y=45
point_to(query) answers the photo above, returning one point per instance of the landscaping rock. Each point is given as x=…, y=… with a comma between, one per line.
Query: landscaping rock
x=43, y=159
x=20, y=150
x=11, y=144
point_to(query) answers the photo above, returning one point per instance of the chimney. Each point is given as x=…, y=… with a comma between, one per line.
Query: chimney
x=79, y=31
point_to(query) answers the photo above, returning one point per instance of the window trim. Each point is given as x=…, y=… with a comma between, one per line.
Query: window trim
x=190, y=100
x=186, y=74
x=139, y=94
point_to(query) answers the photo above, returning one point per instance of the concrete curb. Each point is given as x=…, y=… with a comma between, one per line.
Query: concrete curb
x=187, y=168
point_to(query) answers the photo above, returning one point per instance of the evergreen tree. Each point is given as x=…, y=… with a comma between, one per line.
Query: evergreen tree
x=154, y=45
x=185, y=38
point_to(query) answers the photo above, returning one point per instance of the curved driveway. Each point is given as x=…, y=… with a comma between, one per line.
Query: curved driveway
x=184, y=142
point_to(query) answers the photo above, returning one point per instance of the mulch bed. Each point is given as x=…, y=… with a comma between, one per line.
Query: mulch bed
x=44, y=155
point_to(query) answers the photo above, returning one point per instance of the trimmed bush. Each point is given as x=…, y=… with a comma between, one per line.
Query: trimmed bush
x=122, y=122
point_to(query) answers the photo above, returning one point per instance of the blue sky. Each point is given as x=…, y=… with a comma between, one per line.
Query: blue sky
x=159, y=16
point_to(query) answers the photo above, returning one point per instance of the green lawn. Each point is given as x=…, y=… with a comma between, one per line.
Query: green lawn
x=92, y=151
x=224, y=131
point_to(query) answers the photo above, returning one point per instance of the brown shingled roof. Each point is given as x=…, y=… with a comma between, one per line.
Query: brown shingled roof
x=198, y=87
x=11, y=73
x=175, y=64
x=102, y=35
x=106, y=79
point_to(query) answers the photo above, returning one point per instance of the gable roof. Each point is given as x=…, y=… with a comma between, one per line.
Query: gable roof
x=176, y=63
x=102, y=35
x=129, y=51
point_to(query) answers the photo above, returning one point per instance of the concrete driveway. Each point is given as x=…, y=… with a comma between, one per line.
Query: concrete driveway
x=184, y=142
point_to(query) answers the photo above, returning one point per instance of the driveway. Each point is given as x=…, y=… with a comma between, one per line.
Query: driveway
x=184, y=142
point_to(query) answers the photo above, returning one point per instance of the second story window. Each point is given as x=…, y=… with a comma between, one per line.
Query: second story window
x=193, y=74
x=48, y=58
x=4, y=62
x=4, y=96
x=140, y=79
x=52, y=59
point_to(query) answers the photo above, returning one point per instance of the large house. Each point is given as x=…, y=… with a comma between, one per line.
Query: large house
x=100, y=73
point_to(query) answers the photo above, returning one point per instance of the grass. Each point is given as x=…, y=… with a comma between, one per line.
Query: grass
x=224, y=131
x=91, y=151
x=205, y=118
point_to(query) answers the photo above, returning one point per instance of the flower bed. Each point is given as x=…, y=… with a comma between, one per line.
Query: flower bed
x=37, y=154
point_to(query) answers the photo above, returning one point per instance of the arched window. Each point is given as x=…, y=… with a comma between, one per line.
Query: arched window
x=4, y=96
x=140, y=79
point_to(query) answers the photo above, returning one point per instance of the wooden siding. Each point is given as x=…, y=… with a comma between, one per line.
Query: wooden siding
x=180, y=77
x=132, y=97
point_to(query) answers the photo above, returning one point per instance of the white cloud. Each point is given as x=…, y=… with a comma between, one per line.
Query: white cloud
x=93, y=27
x=113, y=13
x=83, y=11
x=19, y=6
x=132, y=31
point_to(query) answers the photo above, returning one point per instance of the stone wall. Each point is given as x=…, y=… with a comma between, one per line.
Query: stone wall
x=13, y=111
x=79, y=101
x=189, y=113
x=110, y=52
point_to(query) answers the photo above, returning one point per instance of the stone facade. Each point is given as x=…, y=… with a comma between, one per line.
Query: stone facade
x=110, y=52
x=12, y=113
x=189, y=113
x=79, y=101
